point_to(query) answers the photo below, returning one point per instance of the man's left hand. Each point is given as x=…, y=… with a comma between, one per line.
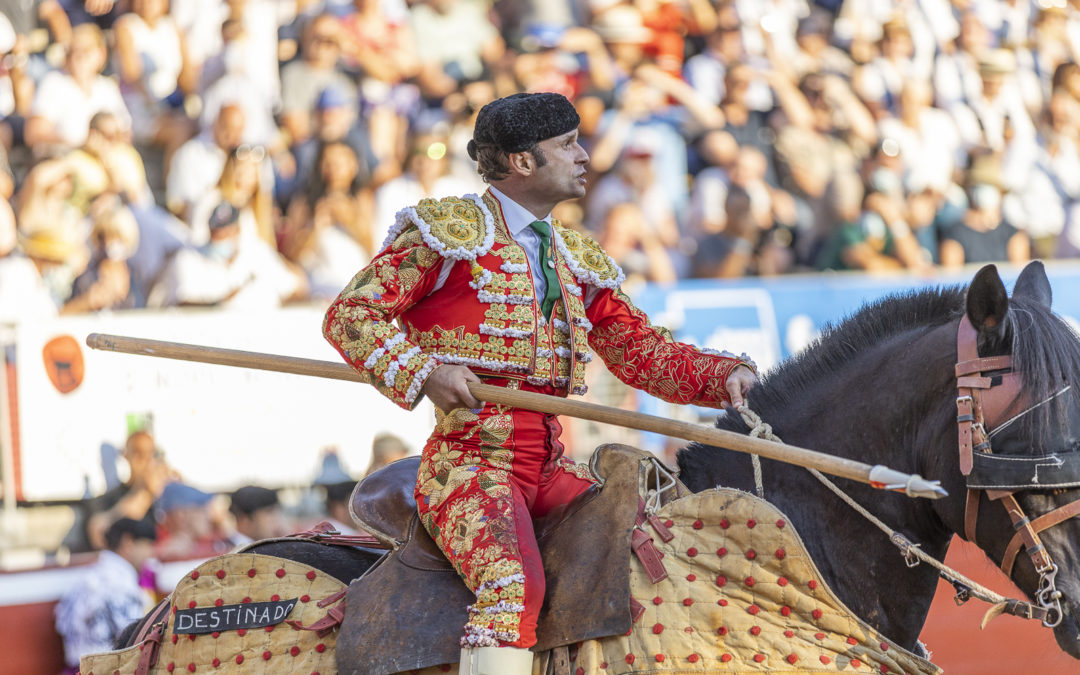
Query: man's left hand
x=739, y=382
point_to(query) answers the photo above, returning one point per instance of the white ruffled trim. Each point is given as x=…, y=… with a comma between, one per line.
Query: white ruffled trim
x=504, y=606
x=390, y=343
x=544, y=352
x=561, y=326
x=580, y=390
x=574, y=289
x=502, y=582
x=489, y=364
x=418, y=380
x=402, y=361
x=486, y=329
x=563, y=352
x=584, y=357
x=583, y=323
x=499, y=298
x=541, y=320
x=483, y=280
x=408, y=216
x=514, y=268
x=583, y=275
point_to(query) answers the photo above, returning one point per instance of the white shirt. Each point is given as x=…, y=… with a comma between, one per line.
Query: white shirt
x=69, y=108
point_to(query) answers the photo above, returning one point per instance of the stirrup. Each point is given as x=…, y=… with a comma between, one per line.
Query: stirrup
x=495, y=661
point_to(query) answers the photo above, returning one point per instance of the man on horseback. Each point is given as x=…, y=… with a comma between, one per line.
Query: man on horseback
x=490, y=288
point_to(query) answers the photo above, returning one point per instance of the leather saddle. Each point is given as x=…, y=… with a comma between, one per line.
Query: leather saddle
x=407, y=611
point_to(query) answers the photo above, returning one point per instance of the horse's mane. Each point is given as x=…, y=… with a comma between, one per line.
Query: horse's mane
x=866, y=328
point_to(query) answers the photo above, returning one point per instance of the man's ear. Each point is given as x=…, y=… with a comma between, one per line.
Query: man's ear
x=522, y=163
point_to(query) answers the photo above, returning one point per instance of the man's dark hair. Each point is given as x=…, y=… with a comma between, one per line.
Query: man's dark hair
x=136, y=529
x=493, y=163
x=251, y=498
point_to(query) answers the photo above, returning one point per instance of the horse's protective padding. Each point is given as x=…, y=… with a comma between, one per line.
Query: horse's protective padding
x=405, y=613
x=741, y=596
x=241, y=578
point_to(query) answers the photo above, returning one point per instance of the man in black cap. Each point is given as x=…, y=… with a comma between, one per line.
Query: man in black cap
x=491, y=288
x=258, y=514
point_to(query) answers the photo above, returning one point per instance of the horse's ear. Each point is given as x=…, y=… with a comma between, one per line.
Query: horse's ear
x=1032, y=283
x=987, y=304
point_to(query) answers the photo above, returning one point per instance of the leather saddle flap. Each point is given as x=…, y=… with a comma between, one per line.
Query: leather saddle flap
x=383, y=503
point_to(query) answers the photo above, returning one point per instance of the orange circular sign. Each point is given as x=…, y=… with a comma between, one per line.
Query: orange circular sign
x=64, y=363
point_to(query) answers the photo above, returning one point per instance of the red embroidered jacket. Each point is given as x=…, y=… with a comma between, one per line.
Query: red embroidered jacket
x=485, y=314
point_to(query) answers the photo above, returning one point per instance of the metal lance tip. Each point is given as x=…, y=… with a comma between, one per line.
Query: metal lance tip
x=911, y=484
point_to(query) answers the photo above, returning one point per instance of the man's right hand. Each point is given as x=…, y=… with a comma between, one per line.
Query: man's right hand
x=448, y=390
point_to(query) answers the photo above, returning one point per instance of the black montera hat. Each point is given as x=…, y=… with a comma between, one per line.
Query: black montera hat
x=516, y=123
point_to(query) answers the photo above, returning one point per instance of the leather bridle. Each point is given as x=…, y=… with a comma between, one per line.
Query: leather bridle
x=987, y=390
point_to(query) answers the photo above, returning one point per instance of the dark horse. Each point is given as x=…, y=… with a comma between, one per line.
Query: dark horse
x=880, y=387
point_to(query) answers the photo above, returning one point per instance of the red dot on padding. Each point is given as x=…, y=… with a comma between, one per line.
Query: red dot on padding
x=688, y=601
x=722, y=551
x=816, y=613
x=175, y=637
x=785, y=610
x=852, y=641
x=782, y=581
x=750, y=581
x=658, y=628
x=191, y=605
x=629, y=658
x=755, y=630
x=215, y=635
x=659, y=658
x=856, y=663
x=579, y=671
x=753, y=609
x=195, y=574
x=251, y=572
x=280, y=573
x=691, y=551
x=320, y=648
x=242, y=632
x=780, y=553
x=311, y=575
x=269, y=629
x=758, y=658
x=216, y=662
x=789, y=633
x=294, y=650
x=698, y=524
x=884, y=646
x=305, y=598
x=724, y=523
x=246, y=600
x=820, y=636
x=791, y=658
x=191, y=637
x=725, y=658
x=693, y=658
x=669, y=523
x=657, y=600
x=191, y=667
x=751, y=523
x=691, y=577
x=722, y=630
x=219, y=602
x=722, y=602
x=884, y=668
x=825, y=659
x=811, y=584
x=275, y=597
x=221, y=574
x=170, y=667
x=239, y=658
x=267, y=654
x=751, y=554
x=780, y=523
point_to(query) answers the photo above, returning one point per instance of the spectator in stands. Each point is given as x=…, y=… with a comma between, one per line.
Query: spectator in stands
x=317, y=70
x=258, y=514
x=188, y=526
x=155, y=75
x=106, y=282
x=107, y=597
x=983, y=235
x=328, y=231
x=997, y=110
x=23, y=294
x=148, y=473
x=385, y=449
x=230, y=269
x=16, y=92
x=45, y=206
x=67, y=99
x=196, y=166
x=240, y=185
x=455, y=42
x=337, y=506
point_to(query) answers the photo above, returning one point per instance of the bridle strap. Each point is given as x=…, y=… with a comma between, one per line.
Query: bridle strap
x=1028, y=533
x=971, y=514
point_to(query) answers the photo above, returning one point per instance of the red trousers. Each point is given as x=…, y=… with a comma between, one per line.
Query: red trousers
x=483, y=477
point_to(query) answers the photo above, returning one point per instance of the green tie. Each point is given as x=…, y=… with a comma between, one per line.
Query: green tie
x=547, y=264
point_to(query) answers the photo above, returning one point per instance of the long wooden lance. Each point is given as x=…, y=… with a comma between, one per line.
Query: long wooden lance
x=878, y=476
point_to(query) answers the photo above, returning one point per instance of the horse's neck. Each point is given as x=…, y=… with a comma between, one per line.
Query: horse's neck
x=861, y=416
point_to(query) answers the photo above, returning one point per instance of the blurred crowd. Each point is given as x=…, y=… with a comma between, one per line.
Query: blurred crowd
x=154, y=517
x=254, y=152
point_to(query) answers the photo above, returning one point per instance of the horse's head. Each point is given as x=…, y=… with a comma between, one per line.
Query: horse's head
x=1018, y=403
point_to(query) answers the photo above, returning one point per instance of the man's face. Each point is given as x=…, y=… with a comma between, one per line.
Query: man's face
x=563, y=175
x=136, y=551
x=265, y=523
x=229, y=127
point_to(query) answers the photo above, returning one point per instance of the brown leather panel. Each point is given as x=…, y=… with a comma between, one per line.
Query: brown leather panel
x=1043, y=522
x=383, y=503
x=983, y=364
x=971, y=515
